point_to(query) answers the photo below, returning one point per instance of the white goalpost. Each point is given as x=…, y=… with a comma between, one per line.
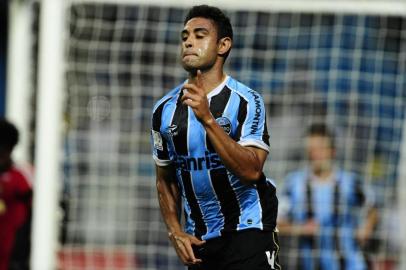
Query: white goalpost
x=20, y=89
x=19, y=74
x=392, y=7
x=49, y=117
x=103, y=64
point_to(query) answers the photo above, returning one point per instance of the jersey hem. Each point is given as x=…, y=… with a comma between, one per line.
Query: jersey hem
x=264, y=227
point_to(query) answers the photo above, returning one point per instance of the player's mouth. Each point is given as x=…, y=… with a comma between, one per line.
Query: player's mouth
x=186, y=54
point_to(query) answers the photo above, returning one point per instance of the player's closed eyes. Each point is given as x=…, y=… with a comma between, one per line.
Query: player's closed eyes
x=184, y=38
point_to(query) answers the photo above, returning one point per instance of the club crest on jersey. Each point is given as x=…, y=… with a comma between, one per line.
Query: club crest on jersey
x=225, y=123
x=172, y=130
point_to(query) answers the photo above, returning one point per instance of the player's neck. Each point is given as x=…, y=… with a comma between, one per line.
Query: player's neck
x=323, y=174
x=210, y=79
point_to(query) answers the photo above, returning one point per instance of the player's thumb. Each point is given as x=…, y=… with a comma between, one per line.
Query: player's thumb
x=196, y=241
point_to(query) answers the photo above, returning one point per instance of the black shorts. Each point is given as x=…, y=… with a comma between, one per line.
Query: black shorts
x=243, y=250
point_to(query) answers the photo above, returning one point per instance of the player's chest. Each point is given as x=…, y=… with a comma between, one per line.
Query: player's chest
x=182, y=124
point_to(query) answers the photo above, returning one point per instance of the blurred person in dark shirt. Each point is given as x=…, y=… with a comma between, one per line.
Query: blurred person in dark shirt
x=15, y=201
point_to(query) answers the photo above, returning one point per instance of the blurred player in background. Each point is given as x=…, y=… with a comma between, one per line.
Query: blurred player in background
x=321, y=206
x=210, y=142
x=15, y=203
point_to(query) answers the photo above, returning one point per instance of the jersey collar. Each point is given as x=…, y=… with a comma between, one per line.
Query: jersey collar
x=218, y=89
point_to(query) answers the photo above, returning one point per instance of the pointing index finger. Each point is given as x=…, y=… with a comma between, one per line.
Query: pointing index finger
x=195, y=86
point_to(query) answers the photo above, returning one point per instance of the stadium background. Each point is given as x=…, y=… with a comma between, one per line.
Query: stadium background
x=345, y=67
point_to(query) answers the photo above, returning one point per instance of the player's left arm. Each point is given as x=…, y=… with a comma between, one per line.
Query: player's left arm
x=365, y=232
x=246, y=162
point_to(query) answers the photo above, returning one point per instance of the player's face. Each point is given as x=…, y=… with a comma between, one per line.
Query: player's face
x=320, y=153
x=199, y=48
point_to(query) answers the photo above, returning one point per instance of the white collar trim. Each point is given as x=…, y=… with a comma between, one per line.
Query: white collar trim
x=218, y=89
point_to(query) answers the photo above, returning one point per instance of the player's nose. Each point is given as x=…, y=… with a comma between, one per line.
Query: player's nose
x=188, y=44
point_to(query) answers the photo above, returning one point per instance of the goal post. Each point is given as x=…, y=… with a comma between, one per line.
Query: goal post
x=103, y=64
x=19, y=72
x=374, y=7
x=49, y=132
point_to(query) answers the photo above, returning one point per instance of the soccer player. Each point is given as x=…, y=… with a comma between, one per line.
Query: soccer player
x=15, y=196
x=321, y=206
x=210, y=142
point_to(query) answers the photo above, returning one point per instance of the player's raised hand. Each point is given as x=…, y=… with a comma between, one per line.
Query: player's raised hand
x=183, y=245
x=195, y=97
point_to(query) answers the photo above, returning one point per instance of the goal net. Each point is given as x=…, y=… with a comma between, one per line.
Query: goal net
x=345, y=68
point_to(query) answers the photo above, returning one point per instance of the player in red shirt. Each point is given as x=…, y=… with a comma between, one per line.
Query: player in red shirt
x=15, y=193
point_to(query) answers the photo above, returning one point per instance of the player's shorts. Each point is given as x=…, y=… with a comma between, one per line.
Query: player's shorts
x=249, y=249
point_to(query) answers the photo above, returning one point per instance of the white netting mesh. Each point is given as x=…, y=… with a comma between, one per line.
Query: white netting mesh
x=122, y=58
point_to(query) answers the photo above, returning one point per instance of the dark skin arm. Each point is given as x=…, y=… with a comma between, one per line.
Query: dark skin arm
x=170, y=205
x=244, y=162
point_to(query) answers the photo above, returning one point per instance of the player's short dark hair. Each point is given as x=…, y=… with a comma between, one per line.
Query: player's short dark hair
x=220, y=20
x=321, y=129
x=8, y=135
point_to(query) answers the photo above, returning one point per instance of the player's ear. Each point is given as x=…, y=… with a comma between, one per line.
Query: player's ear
x=224, y=45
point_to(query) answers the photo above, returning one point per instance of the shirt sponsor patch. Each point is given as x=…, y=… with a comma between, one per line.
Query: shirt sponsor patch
x=157, y=140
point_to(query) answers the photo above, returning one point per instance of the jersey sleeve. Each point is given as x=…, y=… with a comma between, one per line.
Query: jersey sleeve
x=160, y=152
x=254, y=129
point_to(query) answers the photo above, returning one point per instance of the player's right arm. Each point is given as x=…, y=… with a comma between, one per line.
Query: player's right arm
x=170, y=205
x=309, y=228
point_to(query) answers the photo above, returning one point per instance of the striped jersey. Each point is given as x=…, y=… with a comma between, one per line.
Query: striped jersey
x=336, y=206
x=214, y=200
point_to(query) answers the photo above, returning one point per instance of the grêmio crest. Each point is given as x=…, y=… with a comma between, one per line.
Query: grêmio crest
x=172, y=130
x=225, y=123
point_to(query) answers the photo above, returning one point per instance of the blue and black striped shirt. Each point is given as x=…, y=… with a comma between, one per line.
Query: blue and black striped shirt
x=335, y=205
x=215, y=201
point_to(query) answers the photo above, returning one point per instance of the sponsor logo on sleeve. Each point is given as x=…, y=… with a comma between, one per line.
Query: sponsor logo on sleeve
x=157, y=140
x=257, y=113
